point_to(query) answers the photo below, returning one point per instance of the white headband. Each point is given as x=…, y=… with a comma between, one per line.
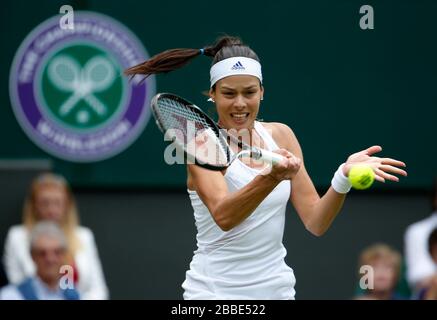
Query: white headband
x=235, y=66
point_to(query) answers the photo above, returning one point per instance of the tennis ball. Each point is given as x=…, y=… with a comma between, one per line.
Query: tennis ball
x=361, y=177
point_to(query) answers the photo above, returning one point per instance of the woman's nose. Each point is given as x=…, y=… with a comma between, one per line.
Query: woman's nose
x=239, y=102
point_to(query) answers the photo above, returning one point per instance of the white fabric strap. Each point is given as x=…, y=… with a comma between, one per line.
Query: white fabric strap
x=340, y=182
x=235, y=66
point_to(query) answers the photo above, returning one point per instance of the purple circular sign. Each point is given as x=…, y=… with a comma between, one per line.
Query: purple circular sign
x=68, y=91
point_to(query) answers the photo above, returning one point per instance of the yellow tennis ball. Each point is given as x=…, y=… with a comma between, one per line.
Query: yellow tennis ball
x=361, y=177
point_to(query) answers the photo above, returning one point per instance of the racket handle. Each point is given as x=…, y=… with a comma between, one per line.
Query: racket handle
x=270, y=157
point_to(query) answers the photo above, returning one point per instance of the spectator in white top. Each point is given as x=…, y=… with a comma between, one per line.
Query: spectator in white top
x=420, y=266
x=50, y=199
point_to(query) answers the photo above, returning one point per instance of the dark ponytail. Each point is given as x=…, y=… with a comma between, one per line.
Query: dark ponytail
x=169, y=60
x=163, y=62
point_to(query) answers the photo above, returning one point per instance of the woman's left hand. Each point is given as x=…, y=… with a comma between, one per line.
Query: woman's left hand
x=383, y=167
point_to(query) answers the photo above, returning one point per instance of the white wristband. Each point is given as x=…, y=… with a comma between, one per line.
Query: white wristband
x=340, y=182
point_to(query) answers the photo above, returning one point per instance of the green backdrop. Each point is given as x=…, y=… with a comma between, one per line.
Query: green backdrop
x=340, y=88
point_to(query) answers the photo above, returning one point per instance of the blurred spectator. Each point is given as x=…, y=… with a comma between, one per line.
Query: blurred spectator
x=429, y=292
x=386, y=266
x=420, y=267
x=51, y=199
x=48, y=248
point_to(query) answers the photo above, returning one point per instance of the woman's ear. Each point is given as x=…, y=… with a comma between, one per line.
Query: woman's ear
x=211, y=94
x=262, y=93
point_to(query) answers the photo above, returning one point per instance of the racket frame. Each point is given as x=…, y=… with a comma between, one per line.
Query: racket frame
x=212, y=124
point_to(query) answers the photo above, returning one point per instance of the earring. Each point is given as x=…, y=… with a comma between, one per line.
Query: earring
x=211, y=100
x=262, y=98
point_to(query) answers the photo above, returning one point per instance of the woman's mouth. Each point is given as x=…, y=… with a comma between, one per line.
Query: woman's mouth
x=240, y=118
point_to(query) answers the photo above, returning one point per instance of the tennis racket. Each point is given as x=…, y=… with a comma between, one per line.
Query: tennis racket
x=199, y=136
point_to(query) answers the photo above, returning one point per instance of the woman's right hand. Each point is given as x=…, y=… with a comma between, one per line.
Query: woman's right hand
x=286, y=169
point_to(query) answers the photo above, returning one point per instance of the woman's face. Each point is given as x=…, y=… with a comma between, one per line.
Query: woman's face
x=237, y=99
x=51, y=203
x=385, y=275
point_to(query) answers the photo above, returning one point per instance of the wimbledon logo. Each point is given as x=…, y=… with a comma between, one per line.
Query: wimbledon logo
x=68, y=91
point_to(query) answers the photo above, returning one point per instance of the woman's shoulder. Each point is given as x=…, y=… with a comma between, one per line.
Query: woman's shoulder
x=278, y=129
x=84, y=233
x=17, y=237
x=17, y=231
x=283, y=135
x=275, y=126
x=422, y=226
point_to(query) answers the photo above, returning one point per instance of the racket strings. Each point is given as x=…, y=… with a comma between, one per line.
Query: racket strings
x=178, y=116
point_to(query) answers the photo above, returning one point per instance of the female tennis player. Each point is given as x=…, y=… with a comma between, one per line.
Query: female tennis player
x=240, y=211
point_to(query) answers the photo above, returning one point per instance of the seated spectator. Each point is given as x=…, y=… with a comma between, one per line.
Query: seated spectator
x=420, y=267
x=385, y=264
x=48, y=248
x=50, y=199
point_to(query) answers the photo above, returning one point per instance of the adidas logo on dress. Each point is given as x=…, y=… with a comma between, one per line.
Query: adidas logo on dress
x=238, y=66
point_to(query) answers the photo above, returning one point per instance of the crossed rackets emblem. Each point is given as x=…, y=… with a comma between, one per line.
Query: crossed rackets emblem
x=67, y=75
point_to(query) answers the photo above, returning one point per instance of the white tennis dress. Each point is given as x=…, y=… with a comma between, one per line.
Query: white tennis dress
x=246, y=262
